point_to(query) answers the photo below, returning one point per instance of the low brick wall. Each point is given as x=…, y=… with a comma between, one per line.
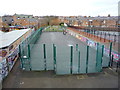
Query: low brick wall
x=92, y=40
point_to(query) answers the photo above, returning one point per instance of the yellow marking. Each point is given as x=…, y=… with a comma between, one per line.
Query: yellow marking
x=110, y=68
x=81, y=77
x=106, y=73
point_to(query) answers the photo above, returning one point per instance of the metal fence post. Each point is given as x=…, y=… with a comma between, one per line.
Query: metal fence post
x=54, y=56
x=117, y=66
x=28, y=50
x=79, y=61
x=29, y=56
x=110, y=50
x=76, y=47
x=104, y=37
x=114, y=39
x=20, y=54
x=102, y=55
x=100, y=52
x=112, y=60
x=44, y=51
x=87, y=59
x=23, y=48
x=97, y=54
x=71, y=59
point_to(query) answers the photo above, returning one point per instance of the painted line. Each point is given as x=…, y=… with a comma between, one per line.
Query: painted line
x=80, y=77
x=110, y=68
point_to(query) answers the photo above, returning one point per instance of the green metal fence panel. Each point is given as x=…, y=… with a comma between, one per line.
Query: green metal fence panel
x=75, y=60
x=34, y=37
x=63, y=60
x=24, y=57
x=25, y=49
x=72, y=59
x=99, y=57
x=82, y=62
x=66, y=60
x=92, y=60
x=37, y=57
x=106, y=60
x=49, y=57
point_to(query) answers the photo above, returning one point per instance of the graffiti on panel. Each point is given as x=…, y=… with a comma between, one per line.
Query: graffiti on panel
x=79, y=37
x=3, y=68
x=3, y=52
x=116, y=56
x=91, y=43
x=11, y=49
x=83, y=39
x=12, y=58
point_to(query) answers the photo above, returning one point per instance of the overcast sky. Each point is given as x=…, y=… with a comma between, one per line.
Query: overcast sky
x=59, y=7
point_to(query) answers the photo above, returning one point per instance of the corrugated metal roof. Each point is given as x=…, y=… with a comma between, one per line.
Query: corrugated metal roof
x=8, y=38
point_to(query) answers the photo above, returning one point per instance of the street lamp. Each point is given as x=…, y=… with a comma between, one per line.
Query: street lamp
x=12, y=22
x=29, y=22
x=37, y=24
x=90, y=22
x=6, y=23
x=18, y=19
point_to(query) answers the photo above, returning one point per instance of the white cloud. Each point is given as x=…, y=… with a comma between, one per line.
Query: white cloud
x=59, y=7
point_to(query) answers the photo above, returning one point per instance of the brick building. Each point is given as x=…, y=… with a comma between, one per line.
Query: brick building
x=18, y=20
x=7, y=20
x=103, y=21
x=1, y=23
x=25, y=20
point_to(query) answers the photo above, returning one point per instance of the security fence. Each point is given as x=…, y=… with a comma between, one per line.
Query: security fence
x=71, y=59
x=63, y=59
x=24, y=46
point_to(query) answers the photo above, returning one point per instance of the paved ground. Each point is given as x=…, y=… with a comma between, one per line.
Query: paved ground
x=47, y=79
x=29, y=79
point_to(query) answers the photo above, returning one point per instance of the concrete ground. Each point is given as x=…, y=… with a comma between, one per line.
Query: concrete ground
x=48, y=79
